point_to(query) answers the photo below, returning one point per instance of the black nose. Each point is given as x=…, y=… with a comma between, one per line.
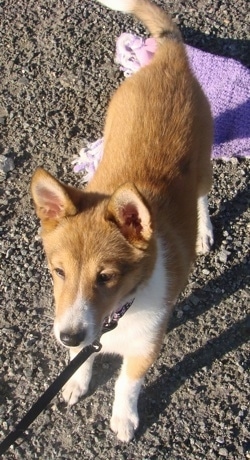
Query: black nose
x=72, y=340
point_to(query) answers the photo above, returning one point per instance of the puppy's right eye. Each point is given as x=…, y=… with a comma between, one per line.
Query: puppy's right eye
x=60, y=272
x=103, y=278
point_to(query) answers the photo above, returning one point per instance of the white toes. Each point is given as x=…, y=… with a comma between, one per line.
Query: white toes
x=72, y=391
x=78, y=384
x=124, y=426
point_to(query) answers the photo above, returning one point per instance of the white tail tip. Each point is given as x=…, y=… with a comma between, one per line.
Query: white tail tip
x=126, y=6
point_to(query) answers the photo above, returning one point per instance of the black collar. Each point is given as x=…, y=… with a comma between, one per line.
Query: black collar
x=111, y=321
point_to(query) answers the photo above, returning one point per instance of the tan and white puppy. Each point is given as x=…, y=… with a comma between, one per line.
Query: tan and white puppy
x=134, y=230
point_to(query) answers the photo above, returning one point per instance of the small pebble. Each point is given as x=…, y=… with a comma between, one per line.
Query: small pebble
x=6, y=164
x=223, y=452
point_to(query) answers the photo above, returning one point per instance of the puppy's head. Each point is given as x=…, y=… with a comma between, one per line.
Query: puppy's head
x=99, y=250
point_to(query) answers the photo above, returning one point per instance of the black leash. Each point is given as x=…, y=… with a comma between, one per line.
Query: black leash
x=60, y=381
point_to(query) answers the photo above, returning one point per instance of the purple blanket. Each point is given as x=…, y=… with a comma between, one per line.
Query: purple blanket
x=225, y=82
x=227, y=85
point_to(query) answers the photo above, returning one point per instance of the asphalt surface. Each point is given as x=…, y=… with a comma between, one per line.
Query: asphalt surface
x=57, y=76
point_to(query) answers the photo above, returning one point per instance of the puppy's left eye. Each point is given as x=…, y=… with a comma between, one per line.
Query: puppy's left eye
x=103, y=278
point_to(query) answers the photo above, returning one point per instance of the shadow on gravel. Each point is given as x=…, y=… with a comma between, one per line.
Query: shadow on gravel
x=213, y=293
x=158, y=394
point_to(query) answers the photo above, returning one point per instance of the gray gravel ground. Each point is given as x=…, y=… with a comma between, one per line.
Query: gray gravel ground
x=57, y=75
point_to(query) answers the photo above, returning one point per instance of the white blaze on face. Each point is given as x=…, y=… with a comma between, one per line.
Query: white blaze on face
x=76, y=318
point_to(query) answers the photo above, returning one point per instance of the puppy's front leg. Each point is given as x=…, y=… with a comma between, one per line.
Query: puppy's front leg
x=78, y=384
x=125, y=419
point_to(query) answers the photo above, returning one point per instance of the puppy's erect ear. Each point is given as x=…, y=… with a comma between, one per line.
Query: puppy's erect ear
x=128, y=210
x=53, y=200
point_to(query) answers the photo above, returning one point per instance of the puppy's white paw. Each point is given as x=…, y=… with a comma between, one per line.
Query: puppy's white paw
x=73, y=390
x=205, y=239
x=124, y=426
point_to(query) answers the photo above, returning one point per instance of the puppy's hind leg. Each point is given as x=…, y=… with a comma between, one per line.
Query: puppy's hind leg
x=205, y=236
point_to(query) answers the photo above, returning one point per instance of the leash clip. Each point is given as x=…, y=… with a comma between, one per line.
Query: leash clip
x=97, y=346
x=109, y=326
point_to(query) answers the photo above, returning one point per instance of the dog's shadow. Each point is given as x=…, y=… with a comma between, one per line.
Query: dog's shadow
x=156, y=396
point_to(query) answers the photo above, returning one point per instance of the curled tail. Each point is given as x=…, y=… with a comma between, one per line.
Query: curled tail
x=159, y=24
